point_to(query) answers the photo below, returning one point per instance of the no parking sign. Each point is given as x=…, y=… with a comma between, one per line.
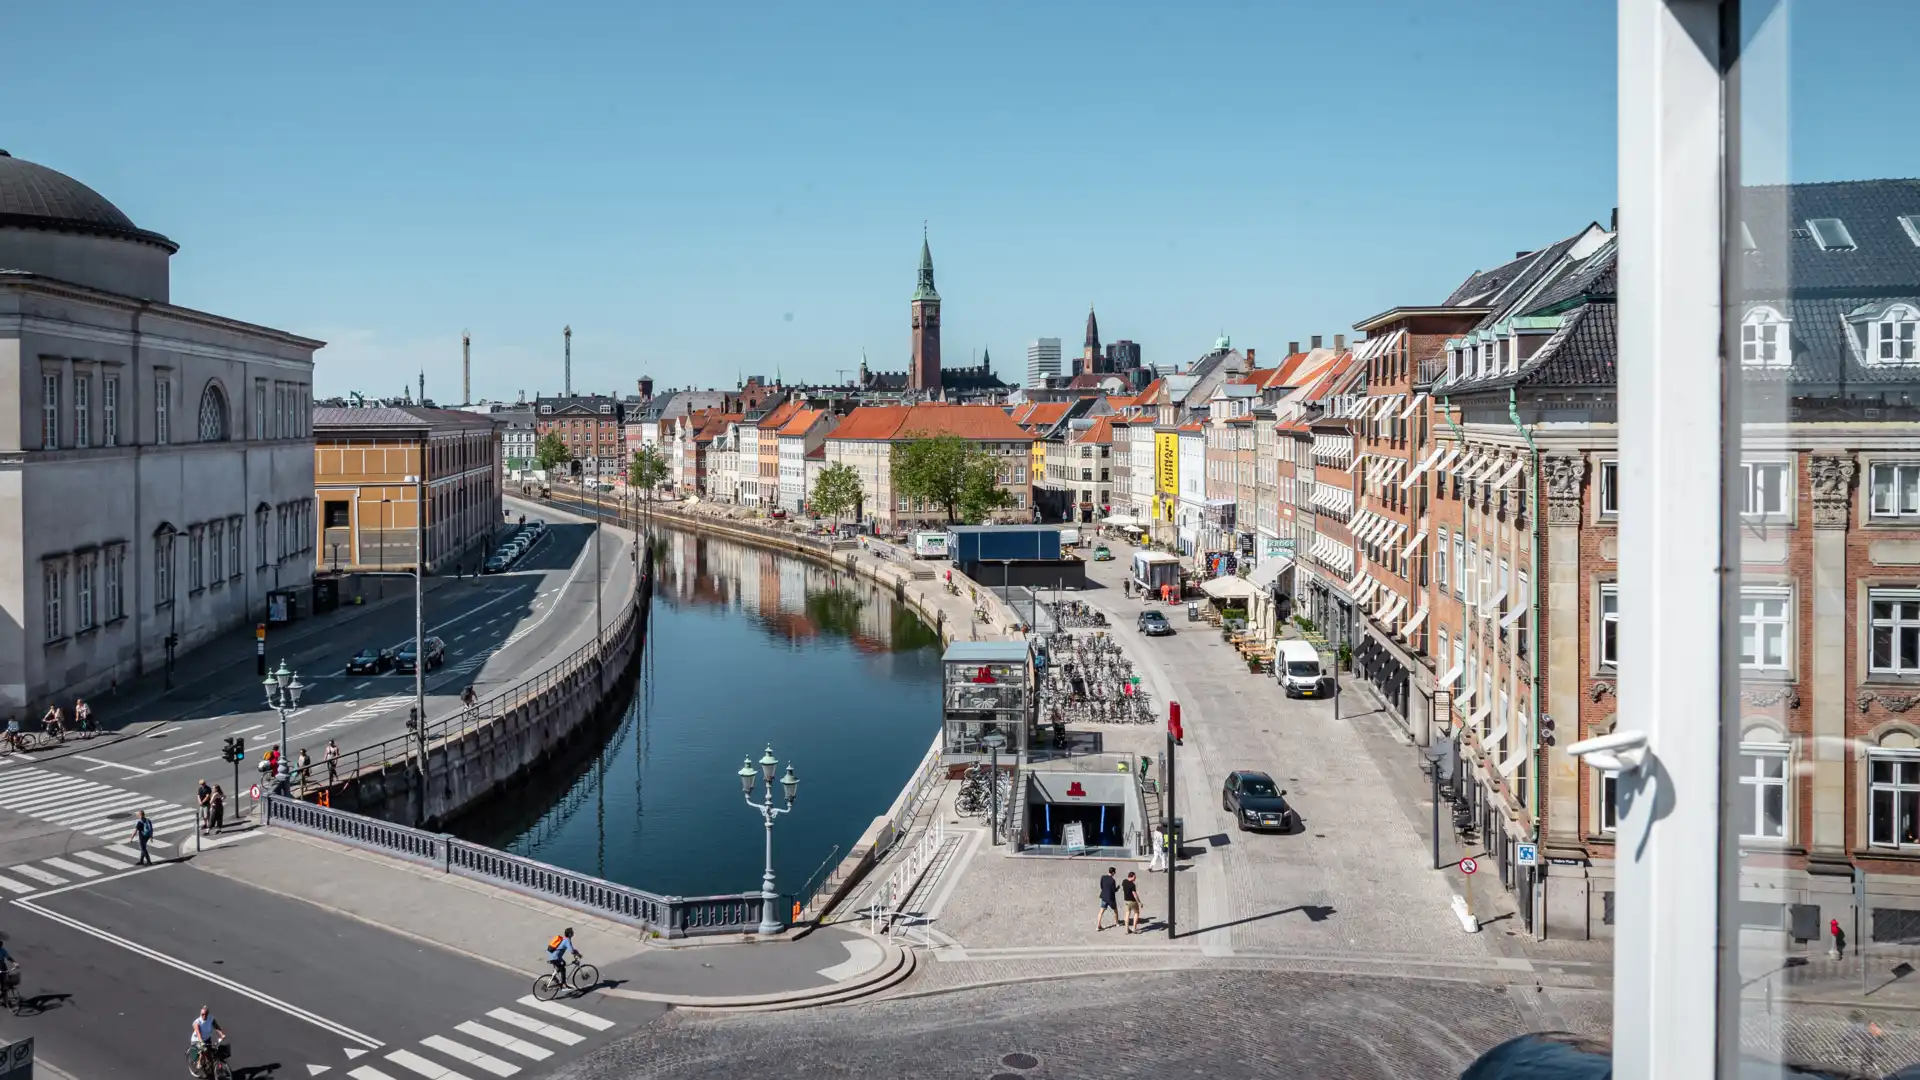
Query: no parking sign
x=1468, y=866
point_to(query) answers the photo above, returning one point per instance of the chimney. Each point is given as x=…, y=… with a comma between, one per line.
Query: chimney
x=1614, y=222
x=1316, y=341
x=1339, y=342
x=466, y=368
x=1250, y=364
x=1292, y=347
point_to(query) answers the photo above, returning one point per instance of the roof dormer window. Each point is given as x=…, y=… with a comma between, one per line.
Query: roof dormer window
x=1830, y=233
x=1894, y=333
x=1764, y=341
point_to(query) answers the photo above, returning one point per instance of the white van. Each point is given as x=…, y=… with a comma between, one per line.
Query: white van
x=1069, y=538
x=1297, y=666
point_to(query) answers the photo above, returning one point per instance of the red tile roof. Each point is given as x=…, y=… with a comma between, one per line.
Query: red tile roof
x=1191, y=425
x=783, y=412
x=801, y=422
x=818, y=452
x=1101, y=431
x=1147, y=396
x=989, y=422
x=1040, y=413
x=871, y=423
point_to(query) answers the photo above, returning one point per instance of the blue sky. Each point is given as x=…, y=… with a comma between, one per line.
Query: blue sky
x=741, y=187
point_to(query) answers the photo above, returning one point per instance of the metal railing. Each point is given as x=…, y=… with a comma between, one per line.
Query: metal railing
x=668, y=916
x=463, y=720
x=900, y=885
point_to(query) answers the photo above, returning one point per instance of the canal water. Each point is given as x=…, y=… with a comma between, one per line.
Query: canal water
x=746, y=648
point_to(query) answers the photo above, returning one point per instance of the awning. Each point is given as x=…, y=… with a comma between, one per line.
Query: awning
x=1355, y=583
x=1492, y=603
x=1268, y=571
x=1447, y=462
x=1479, y=715
x=1422, y=467
x=1228, y=588
x=1414, y=405
x=1407, y=552
x=1515, y=613
x=1512, y=764
x=1124, y=521
x=1413, y=624
x=1465, y=698
x=1499, y=731
x=1366, y=591
x=1452, y=674
x=1392, y=609
x=1507, y=477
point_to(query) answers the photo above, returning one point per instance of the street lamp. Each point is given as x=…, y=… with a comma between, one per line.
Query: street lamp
x=283, y=688
x=993, y=741
x=769, y=912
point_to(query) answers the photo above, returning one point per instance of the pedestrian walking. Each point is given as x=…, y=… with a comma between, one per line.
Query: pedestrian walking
x=142, y=833
x=219, y=804
x=1109, y=894
x=333, y=760
x=204, y=796
x=1130, y=894
x=306, y=769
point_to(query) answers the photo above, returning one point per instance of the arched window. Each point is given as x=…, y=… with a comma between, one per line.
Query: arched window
x=1763, y=339
x=1894, y=333
x=213, y=414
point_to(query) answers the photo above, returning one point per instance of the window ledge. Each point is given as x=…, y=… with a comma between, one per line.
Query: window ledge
x=86, y=630
x=1767, y=676
x=51, y=642
x=1888, y=678
x=1909, y=853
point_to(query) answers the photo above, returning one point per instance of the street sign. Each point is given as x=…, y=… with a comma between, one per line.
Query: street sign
x=1529, y=854
x=254, y=793
x=16, y=1060
x=1468, y=866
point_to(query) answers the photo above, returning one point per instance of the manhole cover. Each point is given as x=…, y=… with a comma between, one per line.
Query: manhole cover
x=1006, y=1076
x=1020, y=1061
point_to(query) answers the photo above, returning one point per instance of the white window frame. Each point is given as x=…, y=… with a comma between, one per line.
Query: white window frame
x=196, y=558
x=113, y=583
x=82, y=405
x=1609, y=486
x=1895, y=787
x=1758, y=765
x=162, y=389
x=1897, y=623
x=53, y=574
x=1753, y=489
x=1607, y=791
x=110, y=410
x=235, y=529
x=1606, y=641
x=1766, y=613
x=216, y=541
x=50, y=411
x=1896, y=337
x=1765, y=339
x=1906, y=481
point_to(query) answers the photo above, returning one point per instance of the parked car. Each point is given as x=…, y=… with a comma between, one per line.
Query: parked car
x=1153, y=624
x=1256, y=803
x=370, y=662
x=495, y=564
x=436, y=651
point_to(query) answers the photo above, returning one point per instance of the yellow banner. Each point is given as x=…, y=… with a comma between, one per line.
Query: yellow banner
x=1166, y=457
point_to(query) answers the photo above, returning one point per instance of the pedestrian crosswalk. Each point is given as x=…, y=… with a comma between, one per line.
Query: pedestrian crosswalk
x=501, y=1043
x=72, y=868
x=90, y=807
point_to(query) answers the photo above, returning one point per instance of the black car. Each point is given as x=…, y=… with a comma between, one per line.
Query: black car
x=370, y=662
x=436, y=655
x=1256, y=803
x=1153, y=624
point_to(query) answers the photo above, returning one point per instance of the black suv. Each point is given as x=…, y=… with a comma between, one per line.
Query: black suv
x=1256, y=803
x=436, y=655
x=370, y=662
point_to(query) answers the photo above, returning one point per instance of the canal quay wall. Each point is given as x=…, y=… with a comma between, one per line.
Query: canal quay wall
x=915, y=584
x=475, y=755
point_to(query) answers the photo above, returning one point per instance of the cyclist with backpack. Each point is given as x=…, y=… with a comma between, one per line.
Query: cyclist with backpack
x=557, y=952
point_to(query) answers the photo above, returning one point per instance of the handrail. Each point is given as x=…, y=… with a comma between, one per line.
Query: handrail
x=668, y=916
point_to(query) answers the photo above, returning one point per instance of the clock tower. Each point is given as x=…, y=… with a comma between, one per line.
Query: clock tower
x=924, y=372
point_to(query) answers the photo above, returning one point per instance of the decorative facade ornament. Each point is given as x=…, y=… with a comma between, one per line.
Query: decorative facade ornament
x=1763, y=698
x=1891, y=702
x=1599, y=690
x=1831, y=479
x=1562, y=475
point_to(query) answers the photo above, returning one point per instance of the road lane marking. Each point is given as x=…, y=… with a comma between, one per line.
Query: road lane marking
x=244, y=730
x=538, y=1027
x=463, y=1052
x=20, y=788
x=39, y=875
x=13, y=886
x=43, y=802
x=68, y=867
x=100, y=763
x=368, y=1072
x=362, y=686
x=96, y=857
x=266, y=999
x=584, y=1019
x=503, y=1040
x=96, y=806
x=409, y=1060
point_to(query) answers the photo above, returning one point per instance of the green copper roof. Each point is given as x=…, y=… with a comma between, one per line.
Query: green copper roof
x=924, y=290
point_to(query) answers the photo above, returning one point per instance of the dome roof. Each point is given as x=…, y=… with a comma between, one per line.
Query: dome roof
x=36, y=197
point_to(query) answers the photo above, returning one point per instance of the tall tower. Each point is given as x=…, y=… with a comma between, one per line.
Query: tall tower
x=466, y=368
x=924, y=373
x=567, y=375
x=1090, y=355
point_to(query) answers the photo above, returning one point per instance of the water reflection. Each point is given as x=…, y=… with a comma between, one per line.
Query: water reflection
x=747, y=648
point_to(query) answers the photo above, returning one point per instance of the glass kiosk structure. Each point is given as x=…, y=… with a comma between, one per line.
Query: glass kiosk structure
x=986, y=686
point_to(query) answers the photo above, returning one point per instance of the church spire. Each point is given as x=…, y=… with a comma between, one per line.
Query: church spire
x=1093, y=332
x=925, y=291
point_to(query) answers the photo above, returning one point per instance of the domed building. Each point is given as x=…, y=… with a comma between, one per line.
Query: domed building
x=156, y=478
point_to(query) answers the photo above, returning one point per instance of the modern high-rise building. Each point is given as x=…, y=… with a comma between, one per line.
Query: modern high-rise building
x=1123, y=355
x=1043, y=359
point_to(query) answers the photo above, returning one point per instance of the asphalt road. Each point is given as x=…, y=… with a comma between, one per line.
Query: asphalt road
x=499, y=629
x=116, y=970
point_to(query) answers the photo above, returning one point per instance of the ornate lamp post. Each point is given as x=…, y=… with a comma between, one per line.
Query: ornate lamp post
x=769, y=900
x=283, y=688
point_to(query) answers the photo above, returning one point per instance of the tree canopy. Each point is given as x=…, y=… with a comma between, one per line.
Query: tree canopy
x=550, y=452
x=952, y=473
x=837, y=492
x=649, y=468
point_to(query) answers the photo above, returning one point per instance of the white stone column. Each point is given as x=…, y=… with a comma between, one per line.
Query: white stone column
x=1832, y=478
x=1561, y=477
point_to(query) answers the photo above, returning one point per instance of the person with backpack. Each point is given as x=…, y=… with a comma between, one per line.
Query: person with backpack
x=557, y=951
x=142, y=835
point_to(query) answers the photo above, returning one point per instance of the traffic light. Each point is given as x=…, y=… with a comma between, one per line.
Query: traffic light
x=173, y=641
x=1546, y=729
x=226, y=750
x=239, y=749
x=1174, y=729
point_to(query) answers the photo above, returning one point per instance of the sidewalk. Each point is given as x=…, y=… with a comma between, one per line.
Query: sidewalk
x=506, y=929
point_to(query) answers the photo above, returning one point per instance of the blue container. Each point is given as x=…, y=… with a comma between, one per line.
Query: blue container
x=995, y=543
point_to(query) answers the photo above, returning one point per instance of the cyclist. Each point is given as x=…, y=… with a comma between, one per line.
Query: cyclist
x=206, y=1035
x=54, y=722
x=557, y=952
x=468, y=698
x=82, y=716
x=15, y=738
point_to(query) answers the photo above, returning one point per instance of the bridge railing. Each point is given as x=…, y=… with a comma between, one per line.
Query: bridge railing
x=668, y=916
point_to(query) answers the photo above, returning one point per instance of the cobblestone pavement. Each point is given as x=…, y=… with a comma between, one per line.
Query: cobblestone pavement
x=1139, y=1025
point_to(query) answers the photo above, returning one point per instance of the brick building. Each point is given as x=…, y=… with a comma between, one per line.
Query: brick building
x=591, y=426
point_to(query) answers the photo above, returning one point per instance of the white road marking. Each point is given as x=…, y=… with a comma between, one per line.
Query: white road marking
x=13, y=886
x=584, y=1019
x=362, y=686
x=368, y=1072
x=218, y=980
x=103, y=764
x=503, y=1040
x=244, y=730
x=409, y=1060
x=74, y=868
x=96, y=857
x=39, y=875
x=540, y=1028
x=463, y=1052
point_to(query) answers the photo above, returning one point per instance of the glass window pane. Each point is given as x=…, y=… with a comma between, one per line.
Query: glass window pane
x=1773, y=810
x=1880, y=828
x=1744, y=807
x=1910, y=773
x=1882, y=649
x=1773, y=765
x=1909, y=802
x=1882, y=770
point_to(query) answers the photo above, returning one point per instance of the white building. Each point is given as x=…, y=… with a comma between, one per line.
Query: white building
x=1193, y=486
x=156, y=473
x=1043, y=359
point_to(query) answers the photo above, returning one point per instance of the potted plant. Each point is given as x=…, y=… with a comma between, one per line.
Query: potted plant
x=1346, y=657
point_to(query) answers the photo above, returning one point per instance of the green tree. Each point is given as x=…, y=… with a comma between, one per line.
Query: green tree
x=933, y=470
x=550, y=453
x=980, y=491
x=837, y=492
x=648, y=469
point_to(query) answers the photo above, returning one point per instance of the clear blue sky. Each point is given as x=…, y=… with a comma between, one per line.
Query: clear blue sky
x=741, y=187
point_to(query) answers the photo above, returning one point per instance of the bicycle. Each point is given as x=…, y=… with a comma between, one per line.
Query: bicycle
x=201, y=1055
x=581, y=977
x=10, y=989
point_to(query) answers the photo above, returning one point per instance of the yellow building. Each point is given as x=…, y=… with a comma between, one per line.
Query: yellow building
x=365, y=461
